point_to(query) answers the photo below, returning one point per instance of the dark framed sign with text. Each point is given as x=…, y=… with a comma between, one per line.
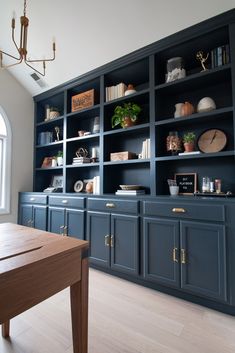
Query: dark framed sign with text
x=187, y=183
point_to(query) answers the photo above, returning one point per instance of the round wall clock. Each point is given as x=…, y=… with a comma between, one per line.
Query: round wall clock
x=212, y=140
x=78, y=186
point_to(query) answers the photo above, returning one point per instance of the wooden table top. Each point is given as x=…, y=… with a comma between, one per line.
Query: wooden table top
x=20, y=245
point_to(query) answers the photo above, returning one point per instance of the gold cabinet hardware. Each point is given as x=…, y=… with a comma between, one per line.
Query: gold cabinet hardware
x=29, y=223
x=110, y=205
x=32, y=198
x=107, y=240
x=64, y=201
x=62, y=230
x=183, y=256
x=112, y=241
x=65, y=231
x=178, y=210
x=174, y=255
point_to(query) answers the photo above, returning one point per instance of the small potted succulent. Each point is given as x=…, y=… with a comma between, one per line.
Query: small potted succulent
x=59, y=158
x=189, y=141
x=125, y=115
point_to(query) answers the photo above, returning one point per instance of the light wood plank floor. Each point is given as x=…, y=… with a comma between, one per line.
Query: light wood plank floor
x=123, y=318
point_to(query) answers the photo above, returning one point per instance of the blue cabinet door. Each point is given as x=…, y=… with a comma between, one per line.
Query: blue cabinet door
x=98, y=234
x=26, y=215
x=124, y=243
x=203, y=260
x=56, y=220
x=74, y=220
x=161, y=251
x=40, y=217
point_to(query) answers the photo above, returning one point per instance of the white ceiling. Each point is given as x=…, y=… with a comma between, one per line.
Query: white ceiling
x=91, y=33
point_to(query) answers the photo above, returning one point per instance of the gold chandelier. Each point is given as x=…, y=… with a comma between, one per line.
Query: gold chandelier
x=22, y=48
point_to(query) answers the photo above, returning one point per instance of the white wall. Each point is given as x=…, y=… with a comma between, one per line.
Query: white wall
x=91, y=33
x=18, y=105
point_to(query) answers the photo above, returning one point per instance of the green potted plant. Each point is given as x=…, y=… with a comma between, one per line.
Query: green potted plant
x=59, y=158
x=189, y=141
x=125, y=115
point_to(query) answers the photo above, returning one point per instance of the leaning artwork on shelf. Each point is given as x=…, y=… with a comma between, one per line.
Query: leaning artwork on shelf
x=187, y=183
x=57, y=181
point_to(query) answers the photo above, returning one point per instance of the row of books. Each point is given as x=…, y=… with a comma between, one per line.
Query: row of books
x=220, y=56
x=114, y=92
x=96, y=185
x=145, y=153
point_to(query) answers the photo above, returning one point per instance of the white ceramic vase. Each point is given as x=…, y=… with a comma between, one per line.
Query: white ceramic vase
x=178, y=107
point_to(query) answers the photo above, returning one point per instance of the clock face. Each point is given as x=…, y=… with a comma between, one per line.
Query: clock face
x=213, y=140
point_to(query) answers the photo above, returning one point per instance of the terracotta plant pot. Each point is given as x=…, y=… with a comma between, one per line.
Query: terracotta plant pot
x=187, y=109
x=188, y=147
x=127, y=122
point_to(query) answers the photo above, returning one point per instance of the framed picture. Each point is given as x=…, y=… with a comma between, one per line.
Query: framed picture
x=57, y=181
x=187, y=183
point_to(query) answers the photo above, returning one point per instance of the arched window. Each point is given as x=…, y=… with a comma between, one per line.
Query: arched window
x=5, y=163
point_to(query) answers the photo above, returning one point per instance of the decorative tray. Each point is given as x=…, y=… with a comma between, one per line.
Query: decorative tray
x=214, y=194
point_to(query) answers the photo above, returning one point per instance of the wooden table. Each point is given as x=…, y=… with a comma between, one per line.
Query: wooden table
x=35, y=265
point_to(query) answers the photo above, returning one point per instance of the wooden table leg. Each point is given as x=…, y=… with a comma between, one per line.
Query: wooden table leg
x=79, y=310
x=6, y=329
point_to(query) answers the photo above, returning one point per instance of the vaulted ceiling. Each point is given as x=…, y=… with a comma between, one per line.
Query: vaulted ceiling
x=91, y=33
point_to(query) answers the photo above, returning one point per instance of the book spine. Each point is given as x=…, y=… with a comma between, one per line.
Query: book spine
x=219, y=56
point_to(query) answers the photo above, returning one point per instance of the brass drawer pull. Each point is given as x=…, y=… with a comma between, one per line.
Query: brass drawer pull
x=64, y=201
x=174, y=255
x=65, y=231
x=62, y=230
x=183, y=256
x=107, y=240
x=178, y=210
x=110, y=205
x=112, y=241
x=32, y=198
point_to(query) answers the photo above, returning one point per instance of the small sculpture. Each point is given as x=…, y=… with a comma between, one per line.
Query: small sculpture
x=200, y=57
x=82, y=152
x=57, y=130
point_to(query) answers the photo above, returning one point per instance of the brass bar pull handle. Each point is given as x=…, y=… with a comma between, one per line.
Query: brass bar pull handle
x=64, y=201
x=178, y=210
x=183, y=256
x=62, y=230
x=110, y=205
x=29, y=223
x=107, y=240
x=65, y=230
x=32, y=199
x=112, y=241
x=174, y=255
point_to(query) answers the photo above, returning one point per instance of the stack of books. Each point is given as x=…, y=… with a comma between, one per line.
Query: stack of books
x=81, y=160
x=130, y=192
x=145, y=153
x=114, y=92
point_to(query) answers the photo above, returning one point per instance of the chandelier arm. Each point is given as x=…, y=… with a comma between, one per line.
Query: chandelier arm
x=42, y=60
x=8, y=66
x=13, y=39
x=11, y=56
x=31, y=67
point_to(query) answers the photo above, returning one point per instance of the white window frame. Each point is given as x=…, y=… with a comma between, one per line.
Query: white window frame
x=5, y=177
